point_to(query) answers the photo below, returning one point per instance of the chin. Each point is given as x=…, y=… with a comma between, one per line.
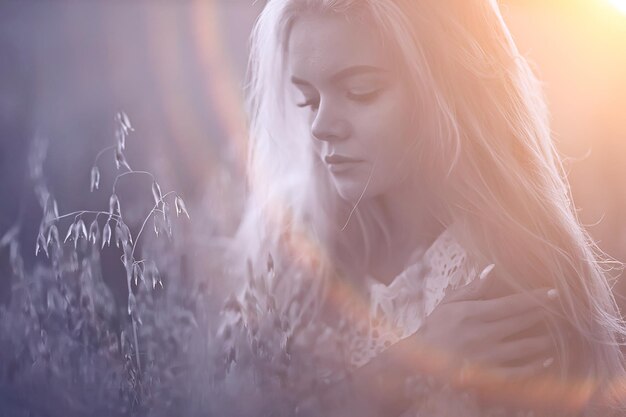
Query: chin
x=352, y=192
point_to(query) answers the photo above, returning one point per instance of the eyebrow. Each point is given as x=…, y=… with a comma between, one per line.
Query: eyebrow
x=345, y=73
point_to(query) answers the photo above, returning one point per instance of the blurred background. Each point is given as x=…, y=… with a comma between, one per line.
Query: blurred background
x=176, y=68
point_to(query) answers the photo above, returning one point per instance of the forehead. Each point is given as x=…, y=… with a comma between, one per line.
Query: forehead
x=321, y=44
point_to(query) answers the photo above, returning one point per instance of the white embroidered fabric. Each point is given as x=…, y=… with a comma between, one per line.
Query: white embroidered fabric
x=394, y=311
x=397, y=310
x=414, y=294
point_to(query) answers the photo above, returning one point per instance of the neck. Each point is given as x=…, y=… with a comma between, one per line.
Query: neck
x=411, y=225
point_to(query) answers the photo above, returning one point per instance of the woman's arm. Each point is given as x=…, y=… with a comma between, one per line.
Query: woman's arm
x=463, y=328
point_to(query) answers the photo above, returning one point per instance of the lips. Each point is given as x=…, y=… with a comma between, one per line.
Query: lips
x=339, y=159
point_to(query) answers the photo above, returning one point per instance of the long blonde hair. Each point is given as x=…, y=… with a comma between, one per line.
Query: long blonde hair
x=494, y=166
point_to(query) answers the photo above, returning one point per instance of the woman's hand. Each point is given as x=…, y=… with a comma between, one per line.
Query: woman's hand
x=476, y=332
x=470, y=329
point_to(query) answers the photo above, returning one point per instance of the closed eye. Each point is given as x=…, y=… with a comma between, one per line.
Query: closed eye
x=313, y=103
x=366, y=97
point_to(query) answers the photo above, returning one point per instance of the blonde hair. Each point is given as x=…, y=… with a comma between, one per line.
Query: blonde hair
x=494, y=166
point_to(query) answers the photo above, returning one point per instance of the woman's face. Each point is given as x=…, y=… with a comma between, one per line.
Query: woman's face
x=357, y=104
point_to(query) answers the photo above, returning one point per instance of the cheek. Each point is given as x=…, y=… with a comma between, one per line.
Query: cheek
x=386, y=134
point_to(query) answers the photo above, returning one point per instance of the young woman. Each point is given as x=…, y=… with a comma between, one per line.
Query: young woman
x=400, y=152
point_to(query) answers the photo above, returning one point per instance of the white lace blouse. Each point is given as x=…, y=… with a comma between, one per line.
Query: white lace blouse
x=396, y=310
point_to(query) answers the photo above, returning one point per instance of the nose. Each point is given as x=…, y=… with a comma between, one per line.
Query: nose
x=329, y=125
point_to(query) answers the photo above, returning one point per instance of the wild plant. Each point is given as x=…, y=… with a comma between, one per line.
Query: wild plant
x=137, y=270
x=64, y=313
x=178, y=347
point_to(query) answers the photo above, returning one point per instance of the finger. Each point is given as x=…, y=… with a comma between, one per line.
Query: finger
x=500, y=329
x=510, y=305
x=517, y=350
x=472, y=291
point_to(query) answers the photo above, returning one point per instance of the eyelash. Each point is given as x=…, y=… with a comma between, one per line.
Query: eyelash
x=362, y=98
x=308, y=103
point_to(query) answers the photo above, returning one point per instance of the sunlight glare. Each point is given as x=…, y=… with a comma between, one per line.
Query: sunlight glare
x=619, y=4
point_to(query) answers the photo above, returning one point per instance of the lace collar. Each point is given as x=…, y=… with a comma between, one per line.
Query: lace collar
x=445, y=243
x=423, y=284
